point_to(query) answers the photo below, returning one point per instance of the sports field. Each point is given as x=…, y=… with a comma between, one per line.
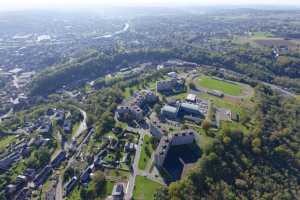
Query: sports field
x=223, y=86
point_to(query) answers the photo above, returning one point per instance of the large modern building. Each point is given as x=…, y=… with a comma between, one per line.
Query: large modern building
x=193, y=109
x=170, y=85
x=169, y=111
x=133, y=108
x=174, y=139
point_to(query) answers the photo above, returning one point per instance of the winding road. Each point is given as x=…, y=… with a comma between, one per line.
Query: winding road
x=82, y=127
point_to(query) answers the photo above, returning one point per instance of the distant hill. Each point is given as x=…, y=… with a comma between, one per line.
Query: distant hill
x=88, y=67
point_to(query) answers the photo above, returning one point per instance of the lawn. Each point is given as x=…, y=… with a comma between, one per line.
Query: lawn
x=223, y=86
x=6, y=140
x=222, y=103
x=145, y=157
x=144, y=188
x=261, y=35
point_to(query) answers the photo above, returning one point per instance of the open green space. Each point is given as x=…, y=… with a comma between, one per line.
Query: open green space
x=223, y=86
x=260, y=35
x=222, y=103
x=6, y=140
x=145, y=153
x=144, y=188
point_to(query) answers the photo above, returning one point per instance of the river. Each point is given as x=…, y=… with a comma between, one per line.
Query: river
x=126, y=27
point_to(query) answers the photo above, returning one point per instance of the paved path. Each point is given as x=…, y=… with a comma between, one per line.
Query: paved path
x=131, y=181
x=59, y=188
x=82, y=126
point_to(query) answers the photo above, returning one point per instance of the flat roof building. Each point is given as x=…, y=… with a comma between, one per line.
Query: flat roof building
x=191, y=98
x=169, y=111
x=118, y=192
x=177, y=138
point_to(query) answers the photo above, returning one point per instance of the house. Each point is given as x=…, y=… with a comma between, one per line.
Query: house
x=85, y=176
x=118, y=192
x=30, y=173
x=129, y=147
x=67, y=126
x=172, y=74
x=59, y=116
x=70, y=185
x=42, y=176
x=10, y=189
x=21, y=179
x=6, y=162
x=61, y=156
x=45, y=128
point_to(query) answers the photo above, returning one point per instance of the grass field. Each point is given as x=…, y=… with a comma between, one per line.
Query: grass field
x=144, y=159
x=260, y=35
x=144, y=188
x=4, y=141
x=225, y=87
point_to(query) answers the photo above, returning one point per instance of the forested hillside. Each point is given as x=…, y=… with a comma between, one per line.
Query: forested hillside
x=88, y=67
x=264, y=164
x=256, y=64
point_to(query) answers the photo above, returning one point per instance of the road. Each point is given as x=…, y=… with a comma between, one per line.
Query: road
x=79, y=148
x=59, y=188
x=7, y=114
x=283, y=91
x=82, y=126
x=131, y=181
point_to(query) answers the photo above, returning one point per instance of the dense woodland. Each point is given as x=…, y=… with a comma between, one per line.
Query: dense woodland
x=264, y=164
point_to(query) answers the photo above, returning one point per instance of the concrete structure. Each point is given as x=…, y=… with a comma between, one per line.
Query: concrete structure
x=61, y=156
x=172, y=74
x=67, y=126
x=133, y=109
x=169, y=111
x=174, y=139
x=191, y=98
x=42, y=176
x=156, y=129
x=118, y=192
x=85, y=176
x=166, y=85
x=70, y=185
x=216, y=93
x=190, y=108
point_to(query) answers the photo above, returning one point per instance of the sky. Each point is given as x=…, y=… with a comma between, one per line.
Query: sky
x=33, y=4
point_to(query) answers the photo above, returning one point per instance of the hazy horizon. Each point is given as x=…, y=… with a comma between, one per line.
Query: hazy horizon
x=67, y=4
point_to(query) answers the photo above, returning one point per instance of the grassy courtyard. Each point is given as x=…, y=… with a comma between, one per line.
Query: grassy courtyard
x=145, y=153
x=223, y=86
x=144, y=188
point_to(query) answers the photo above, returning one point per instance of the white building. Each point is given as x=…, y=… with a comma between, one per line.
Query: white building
x=191, y=98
